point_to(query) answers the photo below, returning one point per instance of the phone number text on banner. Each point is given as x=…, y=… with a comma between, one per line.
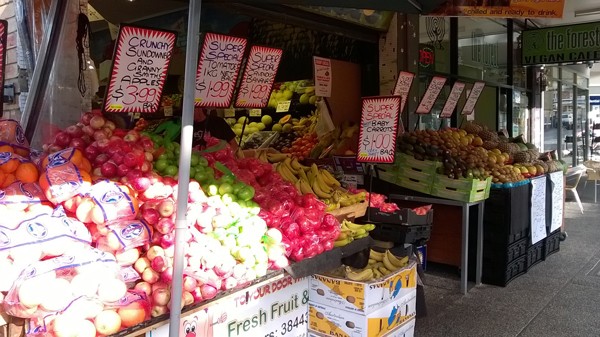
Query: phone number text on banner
x=378, y=128
x=140, y=65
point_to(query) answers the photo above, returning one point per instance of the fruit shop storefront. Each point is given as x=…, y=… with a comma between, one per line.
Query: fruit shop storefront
x=138, y=216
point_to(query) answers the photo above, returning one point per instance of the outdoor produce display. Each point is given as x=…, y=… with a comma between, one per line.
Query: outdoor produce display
x=476, y=152
x=380, y=264
x=102, y=201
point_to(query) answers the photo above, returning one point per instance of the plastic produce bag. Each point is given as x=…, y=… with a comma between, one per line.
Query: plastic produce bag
x=20, y=195
x=11, y=133
x=112, y=203
x=324, y=123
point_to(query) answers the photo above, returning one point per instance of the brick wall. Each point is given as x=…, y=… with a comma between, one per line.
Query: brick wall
x=388, y=58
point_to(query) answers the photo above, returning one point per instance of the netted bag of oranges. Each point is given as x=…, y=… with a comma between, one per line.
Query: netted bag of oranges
x=11, y=133
x=65, y=174
x=14, y=167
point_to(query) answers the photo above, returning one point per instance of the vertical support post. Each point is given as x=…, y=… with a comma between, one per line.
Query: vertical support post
x=464, y=254
x=479, y=265
x=187, y=131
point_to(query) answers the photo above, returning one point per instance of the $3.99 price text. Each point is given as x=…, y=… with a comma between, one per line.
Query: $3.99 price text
x=132, y=94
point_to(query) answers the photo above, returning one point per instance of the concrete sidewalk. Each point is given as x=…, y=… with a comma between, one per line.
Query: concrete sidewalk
x=558, y=297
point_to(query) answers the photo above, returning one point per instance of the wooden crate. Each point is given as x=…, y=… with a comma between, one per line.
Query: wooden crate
x=350, y=212
x=465, y=190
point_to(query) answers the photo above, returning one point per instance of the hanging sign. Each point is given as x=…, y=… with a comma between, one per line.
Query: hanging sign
x=139, y=69
x=378, y=129
x=218, y=68
x=538, y=209
x=403, y=84
x=3, y=36
x=259, y=76
x=455, y=93
x=433, y=91
x=322, y=68
x=473, y=98
x=522, y=9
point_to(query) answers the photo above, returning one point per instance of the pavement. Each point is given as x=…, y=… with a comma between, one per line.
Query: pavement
x=557, y=297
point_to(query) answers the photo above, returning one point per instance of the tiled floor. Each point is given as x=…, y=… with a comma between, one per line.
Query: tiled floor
x=558, y=297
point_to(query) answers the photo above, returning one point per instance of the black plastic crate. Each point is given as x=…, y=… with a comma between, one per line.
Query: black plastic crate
x=502, y=275
x=507, y=214
x=417, y=234
x=403, y=216
x=499, y=254
x=535, y=253
x=552, y=243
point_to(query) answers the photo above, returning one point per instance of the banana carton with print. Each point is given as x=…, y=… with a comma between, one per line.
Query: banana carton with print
x=384, y=322
x=363, y=297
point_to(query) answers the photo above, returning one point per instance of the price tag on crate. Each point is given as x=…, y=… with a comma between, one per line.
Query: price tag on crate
x=140, y=63
x=283, y=106
x=255, y=112
x=229, y=113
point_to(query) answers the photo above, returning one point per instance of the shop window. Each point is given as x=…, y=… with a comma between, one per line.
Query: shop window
x=434, y=44
x=482, y=49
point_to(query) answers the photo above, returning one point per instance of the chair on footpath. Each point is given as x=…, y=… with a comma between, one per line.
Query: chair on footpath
x=593, y=174
x=573, y=187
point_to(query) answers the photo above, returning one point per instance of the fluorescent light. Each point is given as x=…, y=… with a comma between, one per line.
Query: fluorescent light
x=587, y=12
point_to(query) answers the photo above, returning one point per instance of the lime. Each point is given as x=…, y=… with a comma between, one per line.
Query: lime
x=200, y=175
x=237, y=187
x=202, y=161
x=161, y=165
x=171, y=170
x=277, y=127
x=209, y=171
x=192, y=172
x=163, y=156
x=225, y=188
x=227, y=179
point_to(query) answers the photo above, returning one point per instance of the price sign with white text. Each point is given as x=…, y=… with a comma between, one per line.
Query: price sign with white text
x=433, y=91
x=457, y=90
x=405, y=80
x=259, y=76
x=473, y=98
x=378, y=128
x=140, y=63
x=218, y=68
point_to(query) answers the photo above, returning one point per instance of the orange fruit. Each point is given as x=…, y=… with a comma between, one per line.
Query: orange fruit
x=77, y=157
x=7, y=148
x=2, y=177
x=85, y=165
x=9, y=179
x=10, y=166
x=27, y=173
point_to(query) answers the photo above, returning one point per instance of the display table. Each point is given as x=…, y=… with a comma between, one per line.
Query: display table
x=464, y=263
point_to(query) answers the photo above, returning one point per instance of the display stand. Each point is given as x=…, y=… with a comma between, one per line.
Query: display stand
x=465, y=233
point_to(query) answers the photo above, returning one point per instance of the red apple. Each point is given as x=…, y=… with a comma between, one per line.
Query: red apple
x=62, y=139
x=151, y=216
x=97, y=122
x=91, y=152
x=159, y=310
x=123, y=170
x=117, y=158
x=130, y=159
x=74, y=131
x=88, y=130
x=150, y=275
x=110, y=124
x=144, y=287
x=108, y=169
x=189, y=283
x=77, y=143
x=99, y=134
x=161, y=296
x=164, y=226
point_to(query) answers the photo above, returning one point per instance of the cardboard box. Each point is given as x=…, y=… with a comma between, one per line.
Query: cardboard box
x=361, y=297
x=405, y=330
x=331, y=321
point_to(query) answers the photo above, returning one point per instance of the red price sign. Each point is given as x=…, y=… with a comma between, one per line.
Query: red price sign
x=473, y=98
x=433, y=91
x=405, y=80
x=139, y=69
x=218, y=69
x=378, y=129
x=457, y=90
x=259, y=76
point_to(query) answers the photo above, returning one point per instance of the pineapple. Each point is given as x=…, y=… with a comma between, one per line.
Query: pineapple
x=521, y=157
x=490, y=145
x=488, y=135
x=504, y=147
x=473, y=128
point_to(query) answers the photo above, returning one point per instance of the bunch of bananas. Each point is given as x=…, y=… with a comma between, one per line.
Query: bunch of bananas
x=306, y=124
x=309, y=179
x=273, y=158
x=380, y=265
x=351, y=231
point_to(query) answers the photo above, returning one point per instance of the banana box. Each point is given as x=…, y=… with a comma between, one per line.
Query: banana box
x=363, y=297
x=405, y=330
x=386, y=321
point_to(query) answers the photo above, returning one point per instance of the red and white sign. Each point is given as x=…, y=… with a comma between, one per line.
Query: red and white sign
x=473, y=98
x=455, y=93
x=139, y=70
x=218, y=68
x=433, y=91
x=259, y=76
x=405, y=80
x=322, y=68
x=378, y=128
x=3, y=36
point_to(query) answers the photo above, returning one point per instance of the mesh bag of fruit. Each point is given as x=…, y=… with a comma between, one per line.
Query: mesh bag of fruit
x=11, y=133
x=81, y=271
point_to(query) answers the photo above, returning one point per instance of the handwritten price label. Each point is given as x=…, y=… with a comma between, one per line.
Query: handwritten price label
x=218, y=68
x=259, y=76
x=140, y=64
x=455, y=93
x=433, y=91
x=403, y=85
x=255, y=112
x=473, y=98
x=229, y=113
x=283, y=106
x=378, y=128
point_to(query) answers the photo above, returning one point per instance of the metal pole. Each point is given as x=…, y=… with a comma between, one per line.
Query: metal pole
x=187, y=131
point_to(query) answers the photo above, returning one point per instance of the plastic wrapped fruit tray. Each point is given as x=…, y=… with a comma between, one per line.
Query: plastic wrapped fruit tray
x=350, y=212
x=260, y=139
